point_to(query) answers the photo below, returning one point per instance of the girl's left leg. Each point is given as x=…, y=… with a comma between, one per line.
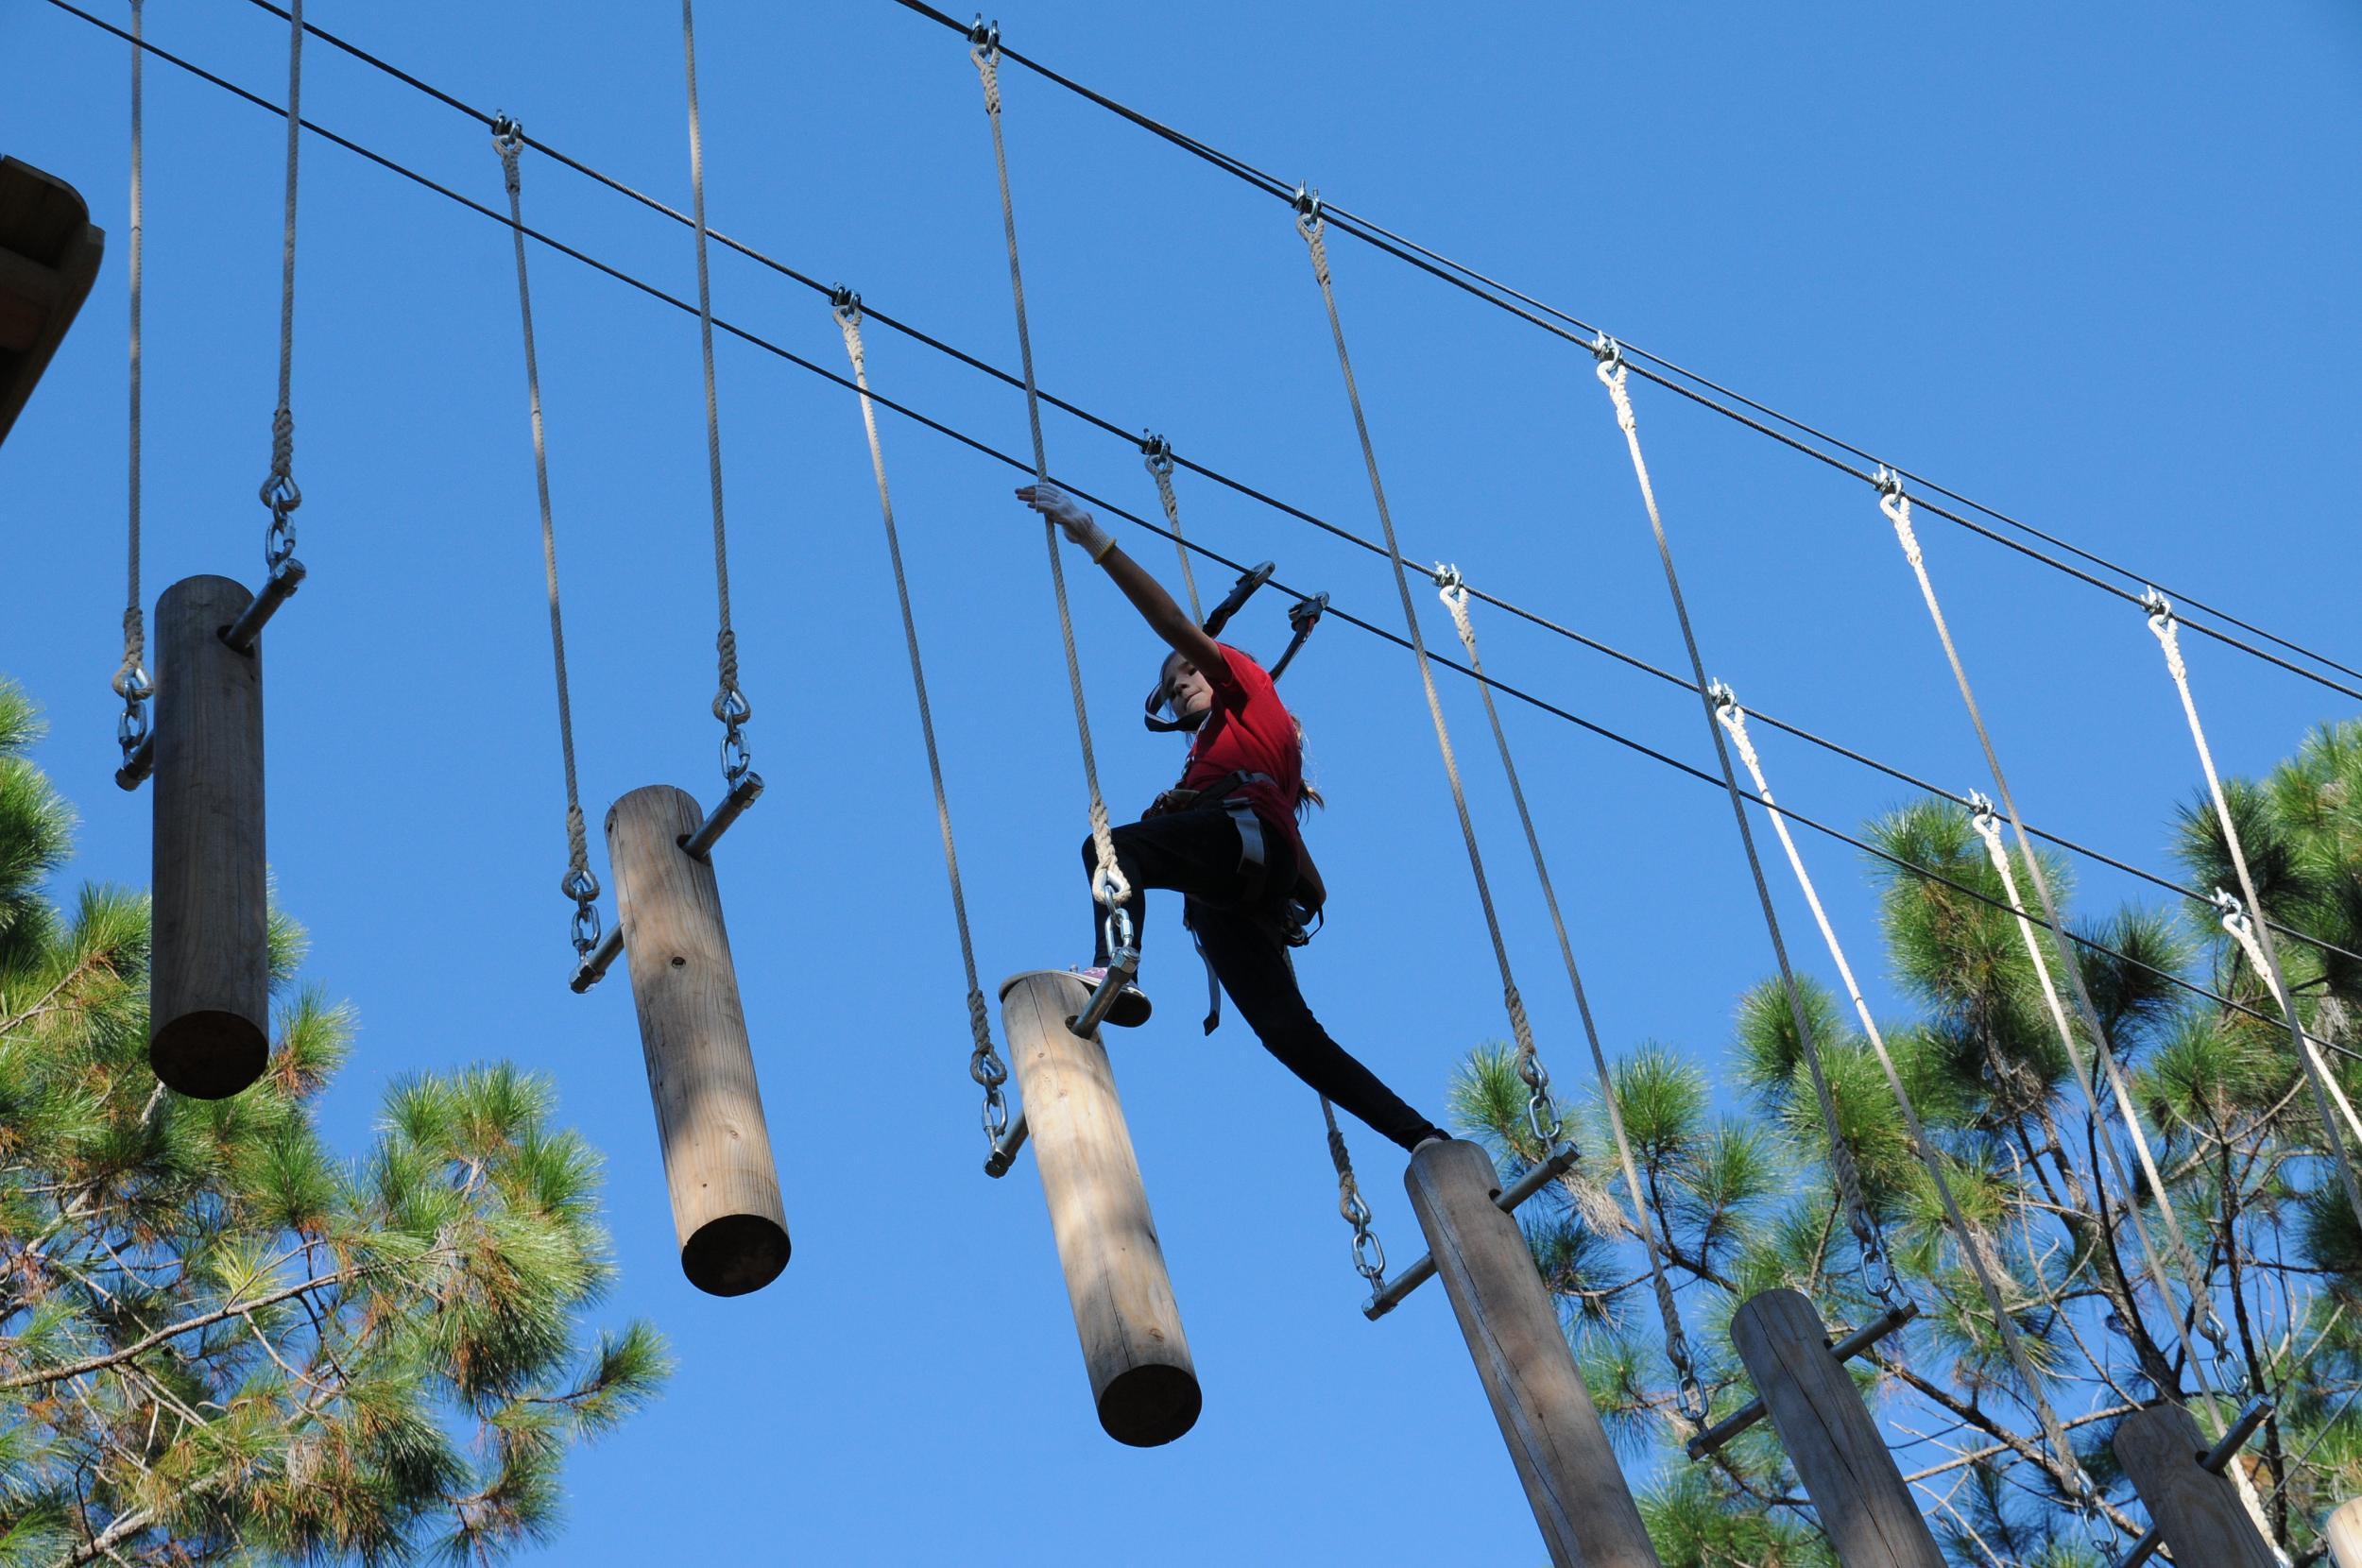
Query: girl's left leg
x=1255, y=971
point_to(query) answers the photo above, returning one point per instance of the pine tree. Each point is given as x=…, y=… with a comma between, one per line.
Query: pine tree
x=1746, y=1196
x=220, y=1343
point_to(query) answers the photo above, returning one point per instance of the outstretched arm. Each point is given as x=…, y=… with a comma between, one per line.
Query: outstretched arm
x=1164, y=616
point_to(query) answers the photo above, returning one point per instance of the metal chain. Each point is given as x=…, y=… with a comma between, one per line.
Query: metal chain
x=1895, y=504
x=2261, y=949
x=1369, y=1253
x=579, y=884
x=1645, y=1224
x=131, y=682
x=1309, y=225
x=280, y=491
x=1877, y=1267
x=1158, y=454
x=1109, y=884
x=729, y=701
x=983, y=1062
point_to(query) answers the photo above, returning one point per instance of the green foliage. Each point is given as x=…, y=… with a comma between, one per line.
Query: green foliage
x=219, y=1343
x=1742, y=1187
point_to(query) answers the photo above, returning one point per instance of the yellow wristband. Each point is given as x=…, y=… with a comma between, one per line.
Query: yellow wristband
x=1106, y=543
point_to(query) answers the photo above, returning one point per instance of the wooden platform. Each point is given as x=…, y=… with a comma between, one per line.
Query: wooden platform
x=49, y=254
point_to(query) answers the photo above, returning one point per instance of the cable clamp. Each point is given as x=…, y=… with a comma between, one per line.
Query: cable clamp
x=1449, y=582
x=984, y=37
x=2234, y=913
x=845, y=303
x=1609, y=352
x=507, y=134
x=2159, y=608
x=1980, y=812
x=1723, y=697
x=1308, y=209
x=1156, y=452
x=1889, y=481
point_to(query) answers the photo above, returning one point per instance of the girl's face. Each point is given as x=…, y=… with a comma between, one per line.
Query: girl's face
x=1185, y=690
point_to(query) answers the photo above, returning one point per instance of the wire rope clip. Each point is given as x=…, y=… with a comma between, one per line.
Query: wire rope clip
x=1609, y=352
x=1311, y=213
x=507, y=134
x=845, y=303
x=984, y=36
x=1156, y=452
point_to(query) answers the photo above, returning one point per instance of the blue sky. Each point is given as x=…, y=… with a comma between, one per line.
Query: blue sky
x=2094, y=265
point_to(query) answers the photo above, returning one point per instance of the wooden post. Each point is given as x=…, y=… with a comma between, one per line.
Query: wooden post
x=1143, y=1379
x=1572, y=1481
x=2345, y=1535
x=49, y=256
x=701, y=1071
x=1864, y=1507
x=209, y=969
x=2197, y=1511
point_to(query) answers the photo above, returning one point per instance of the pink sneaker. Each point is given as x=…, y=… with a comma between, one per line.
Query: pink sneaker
x=1131, y=1008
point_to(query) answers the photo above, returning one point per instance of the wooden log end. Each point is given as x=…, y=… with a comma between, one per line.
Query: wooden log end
x=735, y=1255
x=208, y=1055
x=1147, y=1406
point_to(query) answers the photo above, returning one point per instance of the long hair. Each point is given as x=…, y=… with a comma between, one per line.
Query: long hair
x=1306, y=796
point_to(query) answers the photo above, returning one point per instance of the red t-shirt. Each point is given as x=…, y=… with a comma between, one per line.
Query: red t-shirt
x=1249, y=730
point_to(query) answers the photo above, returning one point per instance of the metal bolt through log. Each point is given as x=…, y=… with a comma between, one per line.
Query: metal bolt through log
x=697, y=846
x=1560, y=1161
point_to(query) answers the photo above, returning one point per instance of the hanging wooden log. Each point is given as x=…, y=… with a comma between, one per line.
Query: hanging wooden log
x=1571, y=1478
x=2345, y=1535
x=1143, y=1379
x=1864, y=1507
x=2197, y=1512
x=692, y=1031
x=208, y=968
x=49, y=254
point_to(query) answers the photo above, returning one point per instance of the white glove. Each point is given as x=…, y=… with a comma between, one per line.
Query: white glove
x=1077, y=525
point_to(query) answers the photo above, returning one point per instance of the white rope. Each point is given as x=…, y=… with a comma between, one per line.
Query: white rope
x=131, y=681
x=280, y=491
x=1974, y=1245
x=1109, y=884
x=578, y=883
x=1158, y=458
x=729, y=701
x=1644, y=1221
x=985, y=1064
x=1878, y=1268
x=1309, y=225
x=2253, y=929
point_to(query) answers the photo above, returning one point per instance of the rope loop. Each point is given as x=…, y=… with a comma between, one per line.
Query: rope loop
x=1451, y=584
x=983, y=47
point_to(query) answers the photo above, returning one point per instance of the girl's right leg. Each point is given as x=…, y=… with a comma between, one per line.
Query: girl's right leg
x=1195, y=853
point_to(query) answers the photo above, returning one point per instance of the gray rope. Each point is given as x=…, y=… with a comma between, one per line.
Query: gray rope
x=1309, y=224
x=1109, y=884
x=984, y=1064
x=729, y=701
x=130, y=680
x=1878, y=1268
x=2162, y=621
x=1158, y=454
x=578, y=884
x=280, y=491
x=1369, y=1253
x=1644, y=1224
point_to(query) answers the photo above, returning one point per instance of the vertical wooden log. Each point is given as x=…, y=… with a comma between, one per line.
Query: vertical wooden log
x=2345, y=1535
x=209, y=969
x=49, y=256
x=1863, y=1505
x=701, y=1071
x=1577, y=1490
x=1141, y=1377
x=2197, y=1512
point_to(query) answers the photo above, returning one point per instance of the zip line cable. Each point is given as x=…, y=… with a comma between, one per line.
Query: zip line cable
x=987, y=450
x=1157, y=449
x=1583, y=333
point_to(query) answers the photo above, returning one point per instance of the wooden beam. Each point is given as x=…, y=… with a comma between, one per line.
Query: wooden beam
x=49, y=255
x=208, y=968
x=693, y=1033
x=1143, y=1379
x=1577, y=1492
x=2197, y=1511
x=1860, y=1498
x=2345, y=1535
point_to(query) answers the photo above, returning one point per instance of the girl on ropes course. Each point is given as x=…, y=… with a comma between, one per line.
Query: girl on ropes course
x=1225, y=837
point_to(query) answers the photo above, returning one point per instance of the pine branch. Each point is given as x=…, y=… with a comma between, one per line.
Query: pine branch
x=187, y=1325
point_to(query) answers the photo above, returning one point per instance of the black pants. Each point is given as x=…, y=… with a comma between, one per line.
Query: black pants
x=1196, y=854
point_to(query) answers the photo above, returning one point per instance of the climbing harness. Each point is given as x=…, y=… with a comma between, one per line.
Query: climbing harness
x=1109, y=884
x=1547, y=1125
x=2248, y=926
x=1644, y=1224
x=984, y=1065
x=731, y=706
x=1876, y=1266
x=131, y=681
x=578, y=884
